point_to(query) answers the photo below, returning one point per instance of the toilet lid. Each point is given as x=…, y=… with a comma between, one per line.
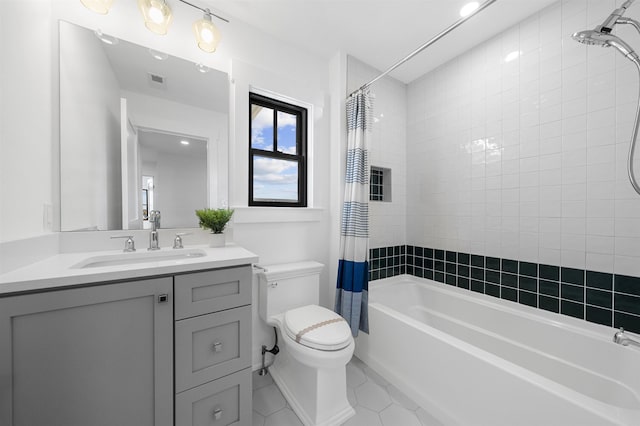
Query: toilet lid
x=317, y=327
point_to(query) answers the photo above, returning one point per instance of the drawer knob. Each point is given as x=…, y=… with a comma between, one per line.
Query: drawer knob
x=217, y=347
x=217, y=413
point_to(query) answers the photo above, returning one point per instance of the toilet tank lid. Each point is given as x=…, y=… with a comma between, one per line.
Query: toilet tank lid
x=291, y=270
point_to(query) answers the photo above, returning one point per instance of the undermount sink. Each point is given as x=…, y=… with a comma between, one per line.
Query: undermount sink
x=136, y=258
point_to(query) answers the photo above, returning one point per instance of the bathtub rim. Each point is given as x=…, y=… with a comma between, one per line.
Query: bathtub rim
x=567, y=322
x=601, y=409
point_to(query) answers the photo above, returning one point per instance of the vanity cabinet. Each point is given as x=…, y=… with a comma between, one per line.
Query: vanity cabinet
x=212, y=347
x=99, y=355
x=108, y=354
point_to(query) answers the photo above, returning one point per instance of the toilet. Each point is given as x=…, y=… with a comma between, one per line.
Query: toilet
x=315, y=343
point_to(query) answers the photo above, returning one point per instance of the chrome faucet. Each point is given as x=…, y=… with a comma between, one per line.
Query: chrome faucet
x=622, y=339
x=154, y=218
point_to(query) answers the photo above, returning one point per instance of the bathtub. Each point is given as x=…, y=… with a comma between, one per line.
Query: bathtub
x=470, y=359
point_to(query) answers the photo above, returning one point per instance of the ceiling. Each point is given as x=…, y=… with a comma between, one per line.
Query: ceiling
x=134, y=66
x=377, y=32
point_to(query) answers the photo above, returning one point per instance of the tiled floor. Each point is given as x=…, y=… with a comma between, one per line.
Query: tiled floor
x=377, y=403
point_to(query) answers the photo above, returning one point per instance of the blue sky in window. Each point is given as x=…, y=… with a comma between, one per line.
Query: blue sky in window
x=275, y=179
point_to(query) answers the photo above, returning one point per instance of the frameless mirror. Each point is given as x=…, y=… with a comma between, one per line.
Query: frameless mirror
x=139, y=131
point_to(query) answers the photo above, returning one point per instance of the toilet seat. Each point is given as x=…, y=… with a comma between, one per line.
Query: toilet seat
x=317, y=327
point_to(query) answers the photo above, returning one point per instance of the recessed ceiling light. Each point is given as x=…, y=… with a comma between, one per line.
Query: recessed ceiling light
x=203, y=68
x=184, y=142
x=512, y=56
x=110, y=40
x=469, y=8
x=161, y=56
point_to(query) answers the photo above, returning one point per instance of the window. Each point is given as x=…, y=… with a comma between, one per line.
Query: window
x=380, y=184
x=277, y=153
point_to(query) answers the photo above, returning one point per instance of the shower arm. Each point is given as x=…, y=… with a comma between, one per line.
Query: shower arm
x=636, y=125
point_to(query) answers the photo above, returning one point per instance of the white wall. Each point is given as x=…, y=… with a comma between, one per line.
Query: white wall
x=180, y=187
x=252, y=58
x=90, y=125
x=387, y=220
x=173, y=117
x=26, y=125
x=527, y=159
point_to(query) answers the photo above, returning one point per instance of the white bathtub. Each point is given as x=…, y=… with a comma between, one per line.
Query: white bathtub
x=471, y=359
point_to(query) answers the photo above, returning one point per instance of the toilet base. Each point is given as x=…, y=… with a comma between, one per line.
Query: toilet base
x=318, y=396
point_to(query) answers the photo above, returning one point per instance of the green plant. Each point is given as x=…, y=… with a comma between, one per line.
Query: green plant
x=214, y=219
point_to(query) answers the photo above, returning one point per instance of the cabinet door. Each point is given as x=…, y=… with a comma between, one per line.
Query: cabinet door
x=99, y=355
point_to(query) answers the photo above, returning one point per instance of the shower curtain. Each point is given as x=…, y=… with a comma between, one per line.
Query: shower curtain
x=353, y=268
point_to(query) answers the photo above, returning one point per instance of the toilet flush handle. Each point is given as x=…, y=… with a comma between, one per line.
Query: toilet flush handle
x=273, y=285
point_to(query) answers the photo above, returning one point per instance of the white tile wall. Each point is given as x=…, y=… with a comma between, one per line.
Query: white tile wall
x=387, y=220
x=527, y=159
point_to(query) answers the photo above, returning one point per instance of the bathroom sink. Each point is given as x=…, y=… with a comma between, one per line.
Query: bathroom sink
x=136, y=258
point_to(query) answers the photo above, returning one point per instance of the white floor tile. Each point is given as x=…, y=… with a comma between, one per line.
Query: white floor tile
x=395, y=415
x=427, y=419
x=372, y=396
x=261, y=381
x=376, y=402
x=401, y=398
x=351, y=396
x=268, y=400
x=258, y=419
x=364, y=417
x=355, y=376
x=284, y=417
x=375, y=376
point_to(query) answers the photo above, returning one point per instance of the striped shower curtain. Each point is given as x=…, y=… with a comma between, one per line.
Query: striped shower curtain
x=353, y=268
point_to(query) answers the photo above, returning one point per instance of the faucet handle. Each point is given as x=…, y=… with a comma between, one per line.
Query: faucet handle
x=177, y=241
x=129, y=244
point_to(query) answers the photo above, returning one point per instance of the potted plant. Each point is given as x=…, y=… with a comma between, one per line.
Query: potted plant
x=215, y=220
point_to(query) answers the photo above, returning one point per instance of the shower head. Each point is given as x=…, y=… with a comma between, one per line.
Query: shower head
x=598, y=38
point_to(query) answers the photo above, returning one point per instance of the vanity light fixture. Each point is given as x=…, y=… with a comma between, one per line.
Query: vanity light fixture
x=184, y=142
x=207, y=35
x=106, y=38
x=157, y=18
x=98, y=6
x=157, y=15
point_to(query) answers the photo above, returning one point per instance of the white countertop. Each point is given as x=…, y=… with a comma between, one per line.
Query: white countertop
x=57, y=272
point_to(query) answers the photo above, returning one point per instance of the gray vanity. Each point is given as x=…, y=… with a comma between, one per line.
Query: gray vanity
x=153, y=343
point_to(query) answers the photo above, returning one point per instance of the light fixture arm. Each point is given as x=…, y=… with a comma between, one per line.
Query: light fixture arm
x=207, y=11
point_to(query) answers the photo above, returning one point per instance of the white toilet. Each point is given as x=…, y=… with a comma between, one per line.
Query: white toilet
x=315, y=344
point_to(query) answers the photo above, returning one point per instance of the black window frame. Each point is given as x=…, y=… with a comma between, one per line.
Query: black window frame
x=301, y=148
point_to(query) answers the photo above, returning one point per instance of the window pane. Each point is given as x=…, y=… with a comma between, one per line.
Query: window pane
x=261, y=128
x=274, y=180
x=287, y=125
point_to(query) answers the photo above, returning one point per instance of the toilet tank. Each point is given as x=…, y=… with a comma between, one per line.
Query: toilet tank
x=287, y=286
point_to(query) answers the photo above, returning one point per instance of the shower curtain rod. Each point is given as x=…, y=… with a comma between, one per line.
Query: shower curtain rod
x=427, y=44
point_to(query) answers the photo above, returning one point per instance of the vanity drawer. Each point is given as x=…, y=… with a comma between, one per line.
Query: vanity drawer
x=204, y=292
x=211, y=346
x=222, y=402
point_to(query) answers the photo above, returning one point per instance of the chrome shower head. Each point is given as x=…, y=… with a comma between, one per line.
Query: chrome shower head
x=597, y=38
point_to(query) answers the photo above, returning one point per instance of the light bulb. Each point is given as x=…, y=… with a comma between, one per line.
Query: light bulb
x=206, y=34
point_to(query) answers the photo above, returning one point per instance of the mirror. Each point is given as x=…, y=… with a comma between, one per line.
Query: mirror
x=139, y=131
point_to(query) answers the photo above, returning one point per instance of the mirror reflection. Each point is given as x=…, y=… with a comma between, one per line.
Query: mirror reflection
x=139, y=131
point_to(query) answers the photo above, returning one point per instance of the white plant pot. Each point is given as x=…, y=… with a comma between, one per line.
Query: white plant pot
x=217, y=240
